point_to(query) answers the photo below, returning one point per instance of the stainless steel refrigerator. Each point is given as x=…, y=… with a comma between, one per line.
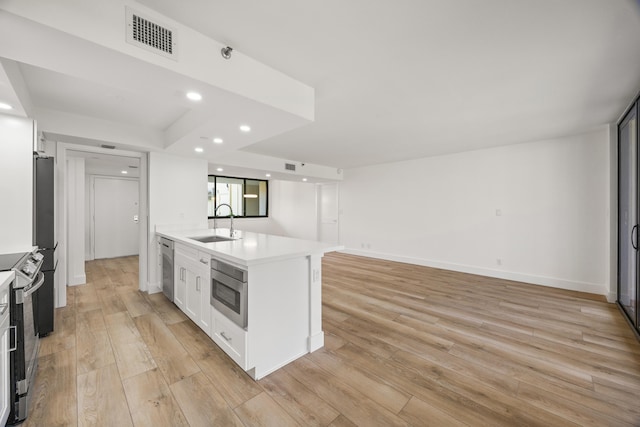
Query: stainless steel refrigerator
x=45, y=238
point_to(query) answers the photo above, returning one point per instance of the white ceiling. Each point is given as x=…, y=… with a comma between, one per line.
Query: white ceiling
x=108, y=165
x=404, y=79
x=393, y=80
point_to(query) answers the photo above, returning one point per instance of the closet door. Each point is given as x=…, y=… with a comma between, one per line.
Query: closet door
x=628, y=215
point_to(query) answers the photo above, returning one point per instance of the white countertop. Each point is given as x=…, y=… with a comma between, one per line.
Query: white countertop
x=6, y=277
x=249, y=248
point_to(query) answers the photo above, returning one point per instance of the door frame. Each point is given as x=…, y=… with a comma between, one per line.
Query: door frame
x=92, y=207
x=635, y=325
x=319, y=190
x=62, y=149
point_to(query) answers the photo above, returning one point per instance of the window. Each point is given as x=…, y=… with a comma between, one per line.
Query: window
x=248, y=198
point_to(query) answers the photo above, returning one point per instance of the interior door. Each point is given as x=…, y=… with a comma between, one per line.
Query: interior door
x=115, y=213
x=628, y=214
x=328, y=230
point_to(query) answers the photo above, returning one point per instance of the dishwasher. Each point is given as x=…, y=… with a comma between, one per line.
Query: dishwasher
x=166, y=247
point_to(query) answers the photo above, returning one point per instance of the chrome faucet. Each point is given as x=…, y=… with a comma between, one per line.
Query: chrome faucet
x=215, y=213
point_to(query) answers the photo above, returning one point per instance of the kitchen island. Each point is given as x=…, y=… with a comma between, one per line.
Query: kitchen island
x=283, y=291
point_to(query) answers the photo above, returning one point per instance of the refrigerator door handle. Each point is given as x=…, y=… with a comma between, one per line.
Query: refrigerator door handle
x=634, y=233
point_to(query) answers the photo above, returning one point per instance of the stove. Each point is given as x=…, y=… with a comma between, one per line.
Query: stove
x=24, y=339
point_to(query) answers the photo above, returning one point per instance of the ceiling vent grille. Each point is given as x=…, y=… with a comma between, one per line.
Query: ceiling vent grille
x=149, y=35
x=290, y=167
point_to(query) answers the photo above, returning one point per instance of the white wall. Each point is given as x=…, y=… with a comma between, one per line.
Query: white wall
x=16, y=184
x=177, y=197
x=613, y=203
x=293, y=209
x=292, y=212
x=88, y=256
x=552, y=197
x=75, y=224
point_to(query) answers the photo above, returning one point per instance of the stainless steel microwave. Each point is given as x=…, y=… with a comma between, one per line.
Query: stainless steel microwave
x=229, y=291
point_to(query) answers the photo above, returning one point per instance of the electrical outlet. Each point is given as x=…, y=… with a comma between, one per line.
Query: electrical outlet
x=498, y=212
x=499, y=261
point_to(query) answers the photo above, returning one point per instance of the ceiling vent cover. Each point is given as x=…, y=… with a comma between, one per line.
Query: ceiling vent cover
x=150, y=35
x=290, y=167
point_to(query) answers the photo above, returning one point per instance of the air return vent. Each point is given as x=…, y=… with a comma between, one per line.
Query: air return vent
x=290, y=167
x=152, y=36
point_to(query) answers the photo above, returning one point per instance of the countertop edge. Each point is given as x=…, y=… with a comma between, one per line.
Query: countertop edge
x=314, y=248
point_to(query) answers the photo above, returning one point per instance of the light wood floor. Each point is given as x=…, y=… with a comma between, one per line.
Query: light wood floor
x=405, y=345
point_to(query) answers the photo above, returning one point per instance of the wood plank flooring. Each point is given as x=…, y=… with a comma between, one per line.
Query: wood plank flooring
x=404, y=345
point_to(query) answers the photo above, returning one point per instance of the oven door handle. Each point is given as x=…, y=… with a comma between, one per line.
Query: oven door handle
x=35, y=286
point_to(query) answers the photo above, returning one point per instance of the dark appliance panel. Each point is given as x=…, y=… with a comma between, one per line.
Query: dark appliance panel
x=44, y=169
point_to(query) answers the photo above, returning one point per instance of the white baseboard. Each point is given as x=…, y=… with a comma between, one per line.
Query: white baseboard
x=259, y=375
x=316, y=341
x=79, y=279
x=154, y=288
x=482, y=271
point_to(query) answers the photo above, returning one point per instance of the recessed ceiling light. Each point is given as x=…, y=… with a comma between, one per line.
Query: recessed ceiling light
x=194, y=96
x=220, y=170
x=4, y=106
x=199, y=149
x=245, y=128
x=124, y=172
x=268, y=175
x=217, y=140
x=304, y=179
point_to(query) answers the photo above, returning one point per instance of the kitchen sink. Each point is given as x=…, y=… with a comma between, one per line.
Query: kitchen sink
x=210, y=239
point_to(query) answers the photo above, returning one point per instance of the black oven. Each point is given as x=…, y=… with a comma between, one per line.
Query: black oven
x=229, y=291
x=24, y=338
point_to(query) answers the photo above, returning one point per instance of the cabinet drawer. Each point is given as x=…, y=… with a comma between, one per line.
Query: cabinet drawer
x=186, y=251
x=231, y=338
x=204, y=259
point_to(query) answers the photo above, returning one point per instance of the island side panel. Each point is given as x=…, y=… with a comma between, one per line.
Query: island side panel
x=316, y=335
x=278, y=314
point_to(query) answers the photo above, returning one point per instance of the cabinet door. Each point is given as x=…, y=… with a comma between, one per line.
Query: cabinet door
x=180, y=280
x=192, y=303
x=204, y=271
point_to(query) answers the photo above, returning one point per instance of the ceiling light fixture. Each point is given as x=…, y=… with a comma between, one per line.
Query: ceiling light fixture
x=199, y=150
x=268, y=175
x=220, y=170
x=4, y=106
x=226, y=52
x=124, y=172
x=217, y=140
x=304, y=179
x=245, y=128
x=194, y=96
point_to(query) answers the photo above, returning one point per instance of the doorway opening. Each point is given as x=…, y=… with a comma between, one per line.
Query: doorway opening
x=102, y=210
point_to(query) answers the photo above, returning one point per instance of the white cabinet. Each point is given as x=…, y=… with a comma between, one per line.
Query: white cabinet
x=191, y=292
x=180, y=266
x=6, y=278
x=204, y=291
x=231, y=338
